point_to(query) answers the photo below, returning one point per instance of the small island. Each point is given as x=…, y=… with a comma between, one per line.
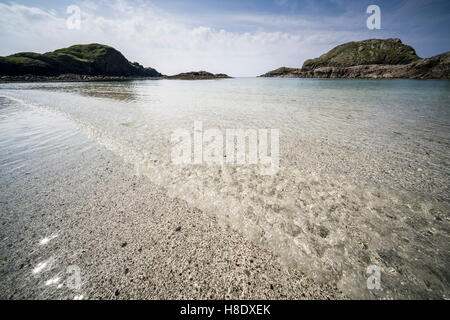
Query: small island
x=372, y=58
x=198, y=75
x=82, y=62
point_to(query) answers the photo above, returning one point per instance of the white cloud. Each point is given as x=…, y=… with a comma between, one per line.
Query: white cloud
x=166, y=42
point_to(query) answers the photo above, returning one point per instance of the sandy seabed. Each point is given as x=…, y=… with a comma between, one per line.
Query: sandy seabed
x=127, y=237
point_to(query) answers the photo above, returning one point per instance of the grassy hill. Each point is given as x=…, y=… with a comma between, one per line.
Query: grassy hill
x=90, y=59
x=372, y=58
x=367, y=52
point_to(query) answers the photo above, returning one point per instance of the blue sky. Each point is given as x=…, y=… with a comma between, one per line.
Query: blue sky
x=241, y=38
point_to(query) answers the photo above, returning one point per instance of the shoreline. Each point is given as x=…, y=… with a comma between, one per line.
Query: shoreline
x=22, y=79
x=70, y=78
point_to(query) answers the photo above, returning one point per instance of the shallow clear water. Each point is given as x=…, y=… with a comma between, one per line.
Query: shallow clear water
x=363, y=177
x=31, y=137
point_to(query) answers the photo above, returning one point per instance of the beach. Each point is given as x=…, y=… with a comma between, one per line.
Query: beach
x=87, y=181
x=225, y=158
x=76, y=203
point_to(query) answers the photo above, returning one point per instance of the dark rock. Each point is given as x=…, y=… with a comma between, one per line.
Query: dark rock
x=124, y=244
x=197, y=75
x=323, y=232
x=284, y=72
x=178, y=229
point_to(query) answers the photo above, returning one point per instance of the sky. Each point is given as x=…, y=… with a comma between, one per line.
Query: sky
x=236, y=37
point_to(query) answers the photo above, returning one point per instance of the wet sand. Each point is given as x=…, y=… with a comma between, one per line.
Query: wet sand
x=129, y=239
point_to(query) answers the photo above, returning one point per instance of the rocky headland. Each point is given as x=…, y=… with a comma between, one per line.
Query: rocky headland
x=373, y=58
x=88, y=62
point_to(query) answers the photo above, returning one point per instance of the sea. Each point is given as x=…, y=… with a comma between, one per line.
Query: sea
x=358, y=189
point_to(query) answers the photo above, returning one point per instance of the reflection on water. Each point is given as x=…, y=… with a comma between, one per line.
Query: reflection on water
x=364, y=166
x=120, y=91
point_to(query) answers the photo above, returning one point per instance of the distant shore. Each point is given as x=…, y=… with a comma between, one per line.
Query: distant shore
x=70, y=78
x=202, y=75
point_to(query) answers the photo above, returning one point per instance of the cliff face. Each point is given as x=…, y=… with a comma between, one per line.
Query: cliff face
x=91, y=59
x=198, y=75
x=372, y=58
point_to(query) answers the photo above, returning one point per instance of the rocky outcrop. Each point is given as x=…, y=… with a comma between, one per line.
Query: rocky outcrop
x=367, y=52
x=374, y=58
x=198, y=75
x=437, y=67
x=91, y=60
x=284, y=72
